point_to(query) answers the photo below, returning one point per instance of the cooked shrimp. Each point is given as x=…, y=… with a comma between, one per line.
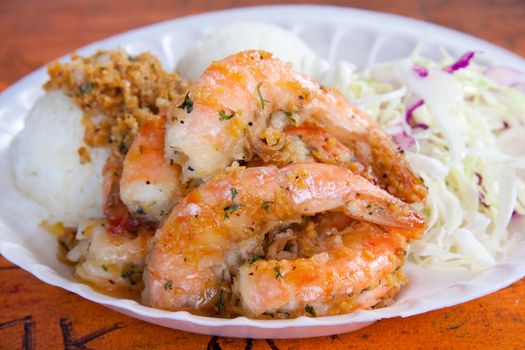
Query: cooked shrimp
x=113, y=263
x=327, y=149
x=364, y=257
x=119, y=220
x=218, y=225
x=324, y=147
x=150, y=185
x=236, y=96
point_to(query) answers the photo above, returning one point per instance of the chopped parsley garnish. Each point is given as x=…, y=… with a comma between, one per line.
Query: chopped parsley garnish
x=310, y=310
x=64, y=245
x=104, y=268
x=234, y=193
x=168, y=285
x=230, y=209
x=253, y=259
x=220, y=303
x=224, y=116
x=290, y=116
x=123, y=149
x=86, y=88
x=187, y=104
x=131, y=275
x=277, y=270
x=266, y=206
x=261, y=99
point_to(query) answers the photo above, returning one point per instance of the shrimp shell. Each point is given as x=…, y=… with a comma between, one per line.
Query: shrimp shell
x=329, y=282
x=207, y=129
x=219, y=224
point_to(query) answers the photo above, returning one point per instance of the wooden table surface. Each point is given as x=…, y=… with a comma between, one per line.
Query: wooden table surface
x=34, y=315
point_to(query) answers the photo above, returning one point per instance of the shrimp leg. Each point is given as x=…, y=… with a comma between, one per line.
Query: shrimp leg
x=325, y=148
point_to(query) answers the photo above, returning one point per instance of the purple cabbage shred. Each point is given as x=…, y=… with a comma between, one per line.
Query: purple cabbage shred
x=506, y=76
x=480, y=178
x=420, y=126
x=420, y=70
x=462, y=62
x=410, y=110
x=404, y=140
x=482, y=200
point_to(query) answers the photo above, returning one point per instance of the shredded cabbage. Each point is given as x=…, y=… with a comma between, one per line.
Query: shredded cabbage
x=463, y=134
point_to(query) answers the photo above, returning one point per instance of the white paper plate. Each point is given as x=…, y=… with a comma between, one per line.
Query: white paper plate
x=334, y=33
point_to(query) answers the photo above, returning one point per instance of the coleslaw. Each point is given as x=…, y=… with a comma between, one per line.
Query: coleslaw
x=459, y=124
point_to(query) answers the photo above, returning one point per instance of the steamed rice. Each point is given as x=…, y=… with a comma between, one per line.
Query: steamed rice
x=47, y=162
x=230, y=39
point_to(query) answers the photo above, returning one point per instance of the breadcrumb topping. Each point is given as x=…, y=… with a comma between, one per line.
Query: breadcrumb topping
x=117, y=93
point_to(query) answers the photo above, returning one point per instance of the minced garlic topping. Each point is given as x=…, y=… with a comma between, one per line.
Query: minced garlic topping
x=117, y=92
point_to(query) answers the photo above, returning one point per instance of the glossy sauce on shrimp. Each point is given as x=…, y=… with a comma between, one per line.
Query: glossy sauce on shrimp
x=150, y=186
x=362, y=257
x=220, y=224
x=231, y=103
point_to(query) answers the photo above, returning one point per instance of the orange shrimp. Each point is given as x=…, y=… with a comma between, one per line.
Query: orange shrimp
x=234, y=99
x=113, y=263
x=218, y=225
x=327, y=149
x=363, y=257
x=150, y=186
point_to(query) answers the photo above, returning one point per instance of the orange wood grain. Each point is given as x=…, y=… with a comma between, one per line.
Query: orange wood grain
x=496, y=321
x=34, y=32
